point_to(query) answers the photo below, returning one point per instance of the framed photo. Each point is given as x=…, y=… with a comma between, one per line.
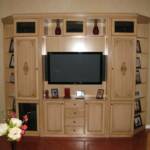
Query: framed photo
x=138, y=77
x=11, y=63
x=100, y=93
x=80, y=94
x=138, y=62
x=12, y=77
x=138, y=106
x=137, y=94
x=137, y=121
x=138, y=46
x=54, y=93
x=11, y=47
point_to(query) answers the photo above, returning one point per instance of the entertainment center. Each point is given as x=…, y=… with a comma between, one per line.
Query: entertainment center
x=77, y=75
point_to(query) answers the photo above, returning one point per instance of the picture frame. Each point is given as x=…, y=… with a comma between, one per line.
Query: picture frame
x=54, y=93
x=80, y=94
x=138, y=46
x=100, y=93
x=11, y=63
x=137, y=121
x=138, y=62
x=137, y=94
x=138, y=108
x=138, y=77
x=11, y=46
x=12, y=77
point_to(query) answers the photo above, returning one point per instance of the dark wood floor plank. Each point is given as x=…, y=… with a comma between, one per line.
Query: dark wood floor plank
x=137, y=142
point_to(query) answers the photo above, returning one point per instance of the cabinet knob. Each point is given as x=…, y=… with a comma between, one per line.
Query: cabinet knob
x=74, y=121
x=74, y=130
x=74, y=112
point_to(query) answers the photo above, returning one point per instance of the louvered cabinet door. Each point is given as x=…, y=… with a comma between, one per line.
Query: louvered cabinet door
x=123, y=68
x=26, y=64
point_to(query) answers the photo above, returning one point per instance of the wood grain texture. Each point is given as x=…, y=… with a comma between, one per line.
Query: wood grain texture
x=139, y=142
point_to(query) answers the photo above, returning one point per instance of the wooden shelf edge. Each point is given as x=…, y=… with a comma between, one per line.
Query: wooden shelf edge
x=140, y=129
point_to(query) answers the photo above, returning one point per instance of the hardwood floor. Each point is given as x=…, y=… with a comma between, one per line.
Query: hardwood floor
x=138, y=142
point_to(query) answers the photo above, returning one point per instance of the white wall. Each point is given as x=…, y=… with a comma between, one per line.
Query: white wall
x=8, y=7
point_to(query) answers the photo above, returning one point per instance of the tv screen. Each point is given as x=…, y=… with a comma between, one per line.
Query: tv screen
x=75, y=68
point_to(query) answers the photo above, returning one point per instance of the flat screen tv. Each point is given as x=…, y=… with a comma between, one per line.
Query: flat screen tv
x=75, y=68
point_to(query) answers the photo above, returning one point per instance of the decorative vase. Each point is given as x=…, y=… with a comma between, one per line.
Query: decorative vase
x=13, y=145
x=95, y=28
x=57, y=29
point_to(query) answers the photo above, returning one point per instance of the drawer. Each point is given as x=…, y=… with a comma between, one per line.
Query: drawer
x=74, y=113
x=74, y=130
x=74, y=122
x=74, y=104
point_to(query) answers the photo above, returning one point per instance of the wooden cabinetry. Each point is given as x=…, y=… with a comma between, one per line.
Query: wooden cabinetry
x=114, y=35
x=26, y=67
x=123, y=68
x=54, y=117
x=9, y=66
x=74, y=117
x=121, y=119
x=141, y=75
x=95, y=114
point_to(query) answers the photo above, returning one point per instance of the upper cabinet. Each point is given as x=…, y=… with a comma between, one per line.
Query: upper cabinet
x=123, y=26
x=123, y=68
x=26, y=67
x=75, y=26
x=26, y=27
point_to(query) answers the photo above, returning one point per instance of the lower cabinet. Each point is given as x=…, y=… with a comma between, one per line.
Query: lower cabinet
x=95, y=114
x=31, y=109
x=88, y=118
x=54, y=117
x=121, y=119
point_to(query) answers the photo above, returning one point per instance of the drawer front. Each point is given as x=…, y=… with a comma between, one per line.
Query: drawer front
x=74, y=130
x=69, y=113
x=74, y=122
x=74, y=104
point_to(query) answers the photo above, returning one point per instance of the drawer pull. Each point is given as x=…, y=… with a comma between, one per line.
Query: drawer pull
x=74, y=104
x=74, y=121
x=74, y=130
x=74, y=112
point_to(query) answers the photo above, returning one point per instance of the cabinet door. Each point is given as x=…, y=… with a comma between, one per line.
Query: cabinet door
x=123, y=68
x=54, y=117
x=26, y=68
x=95, y=118
x=121, y=119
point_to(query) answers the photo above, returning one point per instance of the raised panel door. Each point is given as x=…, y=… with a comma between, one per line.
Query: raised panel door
x=121, y=119
x=95, y=118
x=26, y=68
x=123, y=68
x=54, y=117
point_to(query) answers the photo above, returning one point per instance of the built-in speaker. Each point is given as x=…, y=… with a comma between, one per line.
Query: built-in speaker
x=124, y=26
x=29, y=109
x=25, y=27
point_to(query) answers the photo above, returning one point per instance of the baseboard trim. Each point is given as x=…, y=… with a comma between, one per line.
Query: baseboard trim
x=147, y=126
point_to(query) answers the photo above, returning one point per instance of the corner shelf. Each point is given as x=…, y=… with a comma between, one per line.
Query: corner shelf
x=142, y=62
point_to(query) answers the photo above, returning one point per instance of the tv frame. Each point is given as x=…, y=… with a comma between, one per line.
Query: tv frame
x=103, y=68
